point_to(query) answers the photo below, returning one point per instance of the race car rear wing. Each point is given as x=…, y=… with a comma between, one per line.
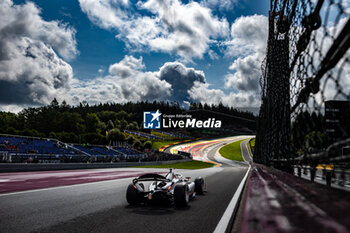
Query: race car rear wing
x=150, y=177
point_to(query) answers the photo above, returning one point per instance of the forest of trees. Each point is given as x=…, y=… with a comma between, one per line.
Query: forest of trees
x=90, y=124
x=308, y=132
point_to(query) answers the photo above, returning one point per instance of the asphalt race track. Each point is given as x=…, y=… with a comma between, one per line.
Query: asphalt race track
x=101, y=206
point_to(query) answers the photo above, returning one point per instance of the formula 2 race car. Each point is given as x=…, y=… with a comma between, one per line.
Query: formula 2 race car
x=172, y=188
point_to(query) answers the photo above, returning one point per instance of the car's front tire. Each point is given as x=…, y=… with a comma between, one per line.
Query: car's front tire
x=132, y=195
x=181, y=195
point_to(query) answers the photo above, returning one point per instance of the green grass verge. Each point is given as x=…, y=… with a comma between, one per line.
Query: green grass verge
x=252, y=142
x=185, y=165
x=232, y=151
x=159, y=144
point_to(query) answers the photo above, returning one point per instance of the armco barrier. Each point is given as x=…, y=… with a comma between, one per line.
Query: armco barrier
x=22, y=167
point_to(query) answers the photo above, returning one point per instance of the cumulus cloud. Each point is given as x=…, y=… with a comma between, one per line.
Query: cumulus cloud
x=247, y=45
x=249, y=35
x=336, y=83
x=32, y=50
x=189, y=30
x=128, y=81
x=30, y=70
x=186, y=30
x=33, y=73
x=25, y=21
x=201, y=92
x=247, y=73
x=125, y=82
x=106, y=14
x=127, y=67
x=181, y=78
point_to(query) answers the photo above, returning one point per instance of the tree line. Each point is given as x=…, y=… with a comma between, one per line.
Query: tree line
x=96, y=124
x=308, y=132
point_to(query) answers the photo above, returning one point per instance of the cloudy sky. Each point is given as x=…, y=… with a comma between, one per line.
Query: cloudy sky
x=206, y=51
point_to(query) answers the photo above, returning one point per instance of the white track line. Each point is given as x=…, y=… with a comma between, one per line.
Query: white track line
x=226, y=217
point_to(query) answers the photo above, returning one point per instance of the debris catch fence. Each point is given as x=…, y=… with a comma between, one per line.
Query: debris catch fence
x=304, y=118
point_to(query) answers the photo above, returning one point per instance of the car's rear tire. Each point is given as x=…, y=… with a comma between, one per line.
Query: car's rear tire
x=199, y=185
x=181, y=195
x=132, y=195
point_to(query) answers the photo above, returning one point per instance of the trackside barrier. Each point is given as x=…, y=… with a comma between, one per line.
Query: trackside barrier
x=22, y=167
x=277, y=201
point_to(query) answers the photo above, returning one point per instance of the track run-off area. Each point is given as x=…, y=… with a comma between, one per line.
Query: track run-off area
x=94, y=200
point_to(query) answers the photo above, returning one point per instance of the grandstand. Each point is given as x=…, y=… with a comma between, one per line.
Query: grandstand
x=26, y=149
x=170, y=134
x=145, y=135
x=21, y=149
x=158, y=135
